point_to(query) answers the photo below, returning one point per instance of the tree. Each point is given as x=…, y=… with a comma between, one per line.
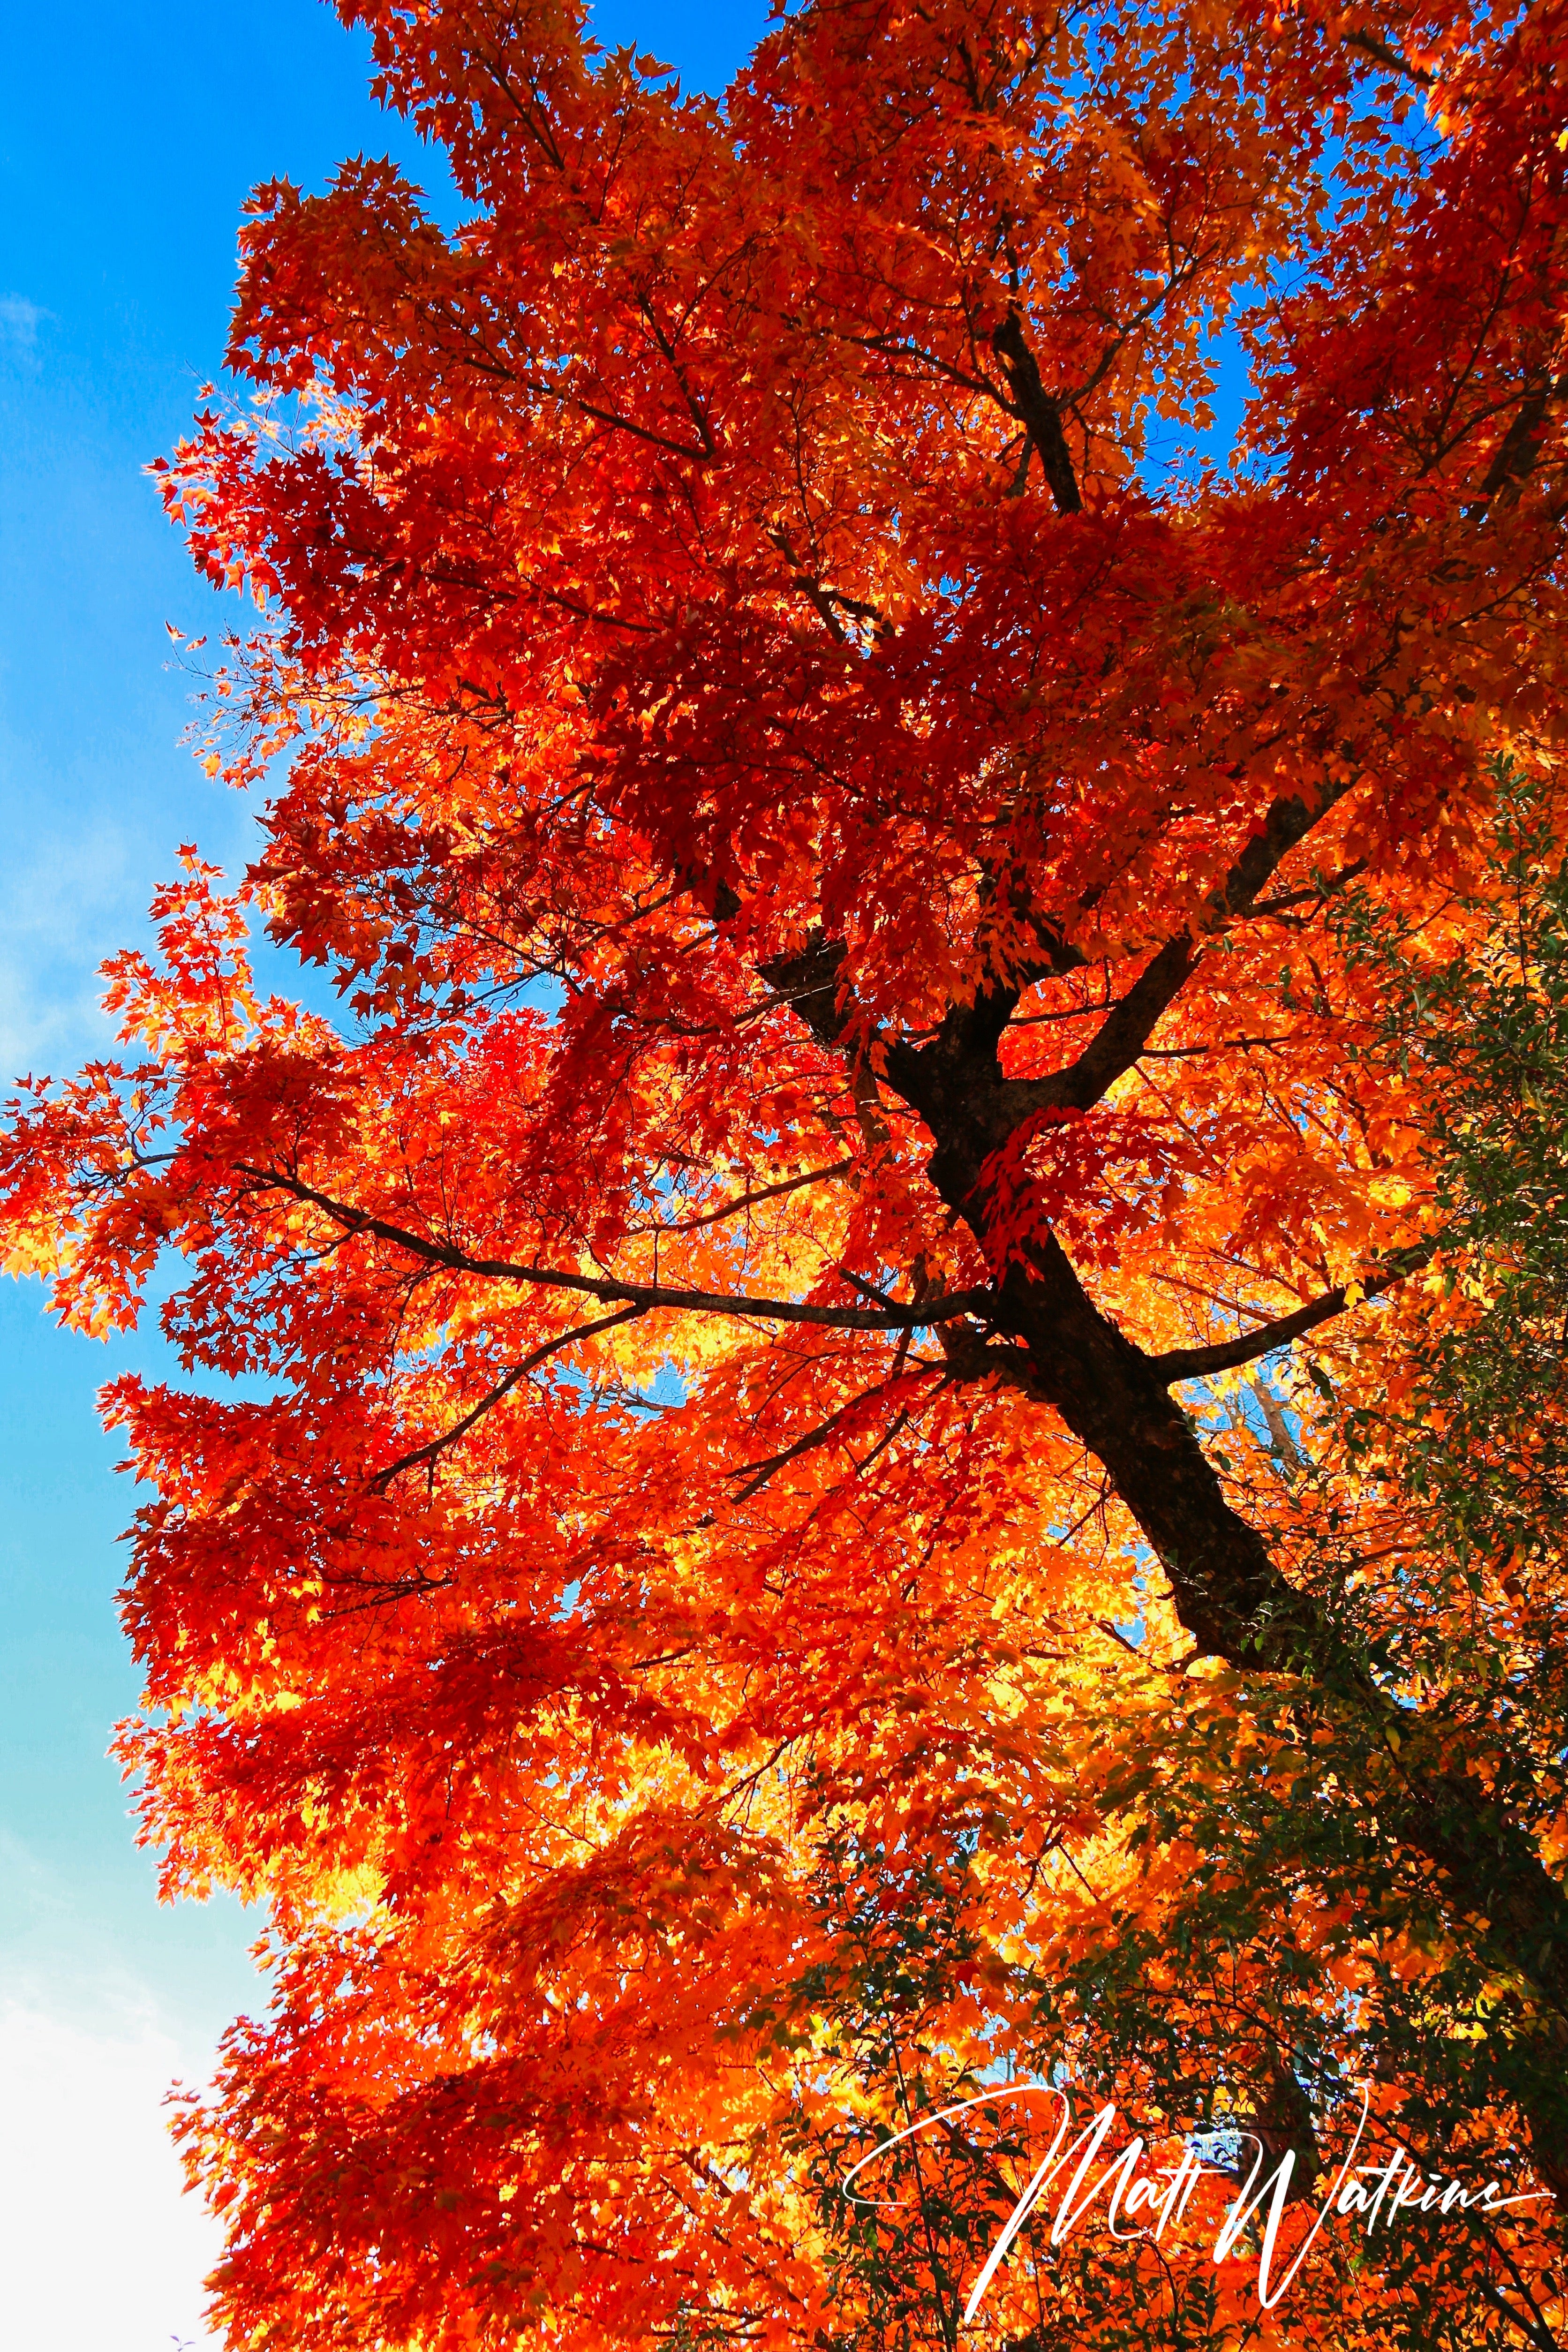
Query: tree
x=812, y=1477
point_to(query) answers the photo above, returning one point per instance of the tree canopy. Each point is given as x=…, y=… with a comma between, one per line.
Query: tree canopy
x=884, y=1416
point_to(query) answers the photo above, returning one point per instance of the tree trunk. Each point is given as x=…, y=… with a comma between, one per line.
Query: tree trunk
x=1228, y=1593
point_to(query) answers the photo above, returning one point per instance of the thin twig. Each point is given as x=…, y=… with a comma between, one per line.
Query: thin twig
x=384, y=1478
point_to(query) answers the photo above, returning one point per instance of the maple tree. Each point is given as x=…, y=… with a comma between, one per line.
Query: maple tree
x=886, y=1412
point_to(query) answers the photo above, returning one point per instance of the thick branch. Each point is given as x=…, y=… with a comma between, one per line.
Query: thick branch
x=1373, y=45
x=1037, y=412
x=1196, y=1363
x=956, y=1084
x=1519, y=452
x=808, y=983
x=1126, y=1031
x=639, y=1294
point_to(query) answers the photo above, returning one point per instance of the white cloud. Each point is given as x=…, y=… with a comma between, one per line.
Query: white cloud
x=66, y=902
x=104, y=2007
x=20, y=321
x=99, y=2251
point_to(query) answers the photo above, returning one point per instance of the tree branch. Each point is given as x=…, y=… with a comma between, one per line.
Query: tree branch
x=819, y=1436
x=1518, y=453
x=640, y=1295
x=1196, y=1363
x=749, y=1200
x=1121, y=1039
x=384, y=1478
x=1382, y=53
x=1037, y=412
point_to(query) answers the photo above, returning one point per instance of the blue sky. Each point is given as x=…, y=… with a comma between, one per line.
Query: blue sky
x=127, y=145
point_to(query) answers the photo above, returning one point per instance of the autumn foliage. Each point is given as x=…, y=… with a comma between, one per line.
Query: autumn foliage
x=886, y=1412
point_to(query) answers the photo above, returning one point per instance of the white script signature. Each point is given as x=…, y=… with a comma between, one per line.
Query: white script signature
x=1142, y=2204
